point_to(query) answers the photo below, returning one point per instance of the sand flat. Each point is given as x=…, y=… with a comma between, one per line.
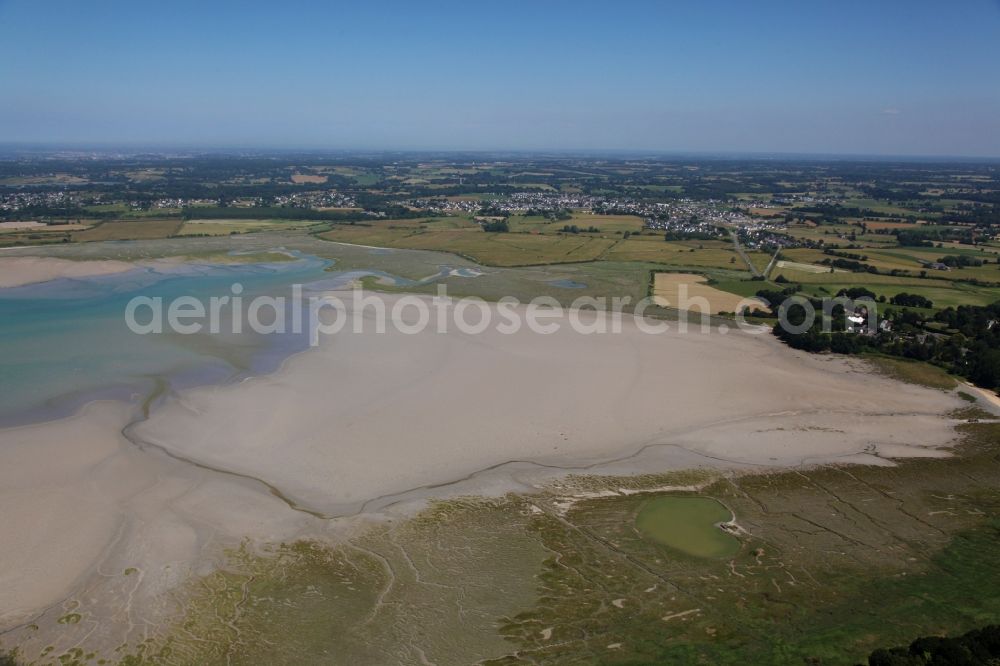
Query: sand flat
x=369, y=415
x=81, y=505
x=18, y=271
x=54, y=523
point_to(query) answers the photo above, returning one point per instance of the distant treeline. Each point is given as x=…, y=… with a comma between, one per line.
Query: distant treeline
x=294, y=213
x=271, y=212
x=961, y=261
x=978, y=215
x=674, y=235
x=575, y=229
x=927, y=237
x=836, y=210
x=46, y=212
x=386, y=207
x=465, y=189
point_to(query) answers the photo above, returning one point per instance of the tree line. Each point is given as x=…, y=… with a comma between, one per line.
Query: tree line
x=965, y=340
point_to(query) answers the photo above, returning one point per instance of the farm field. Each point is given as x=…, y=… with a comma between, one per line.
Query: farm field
x=835, y=235
x=941, y=296
x=900, y=259
x=313, y=179
x=942, y=293
x=675, y=289
x=708, y=254
x=513, y=249
x=130, y=230
x=491, y=249
x=606, y=224
x=802, y=267
x=33, y=232
x=226, y=227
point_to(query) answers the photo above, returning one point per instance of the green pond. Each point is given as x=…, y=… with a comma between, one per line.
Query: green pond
x=688, y=524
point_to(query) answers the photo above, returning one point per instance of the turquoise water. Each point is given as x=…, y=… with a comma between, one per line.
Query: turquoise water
x=65, y=342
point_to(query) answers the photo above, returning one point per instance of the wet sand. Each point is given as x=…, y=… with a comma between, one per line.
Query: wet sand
x=369, y=415
x=19, y=271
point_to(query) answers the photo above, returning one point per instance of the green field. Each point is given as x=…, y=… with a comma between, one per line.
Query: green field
x=130, y=230
x=914, y=372
x=707, y=254
x=492, y=249
x=226, y=227
x=522, y=249
x=606, y=224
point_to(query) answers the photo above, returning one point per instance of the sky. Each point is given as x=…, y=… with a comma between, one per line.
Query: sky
x=908, y=77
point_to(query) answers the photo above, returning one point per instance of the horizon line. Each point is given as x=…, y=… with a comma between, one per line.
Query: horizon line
x=206, y=148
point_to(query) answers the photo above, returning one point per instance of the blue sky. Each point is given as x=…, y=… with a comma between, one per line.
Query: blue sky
x=902, y=78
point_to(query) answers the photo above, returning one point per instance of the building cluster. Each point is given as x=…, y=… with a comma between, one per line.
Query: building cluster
x=519, y=202
x=445, y=206
x=792, y=199
x=511, y=204
x=15, y=201
x=766, y=236
x=315, y=199
x=175, y=202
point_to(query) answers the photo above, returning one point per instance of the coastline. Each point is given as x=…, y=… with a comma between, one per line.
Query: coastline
x=369, y=426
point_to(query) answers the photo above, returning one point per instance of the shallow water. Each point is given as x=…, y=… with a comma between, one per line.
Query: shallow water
x=689, y=525
x=65, y=342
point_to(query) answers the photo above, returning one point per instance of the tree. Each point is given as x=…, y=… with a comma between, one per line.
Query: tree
x=980, y=647
x=984, y=366
x=911, y=301
x=496, y=226
x=855, y=293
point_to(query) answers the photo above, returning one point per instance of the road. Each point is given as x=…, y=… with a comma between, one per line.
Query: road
x=743, y=254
